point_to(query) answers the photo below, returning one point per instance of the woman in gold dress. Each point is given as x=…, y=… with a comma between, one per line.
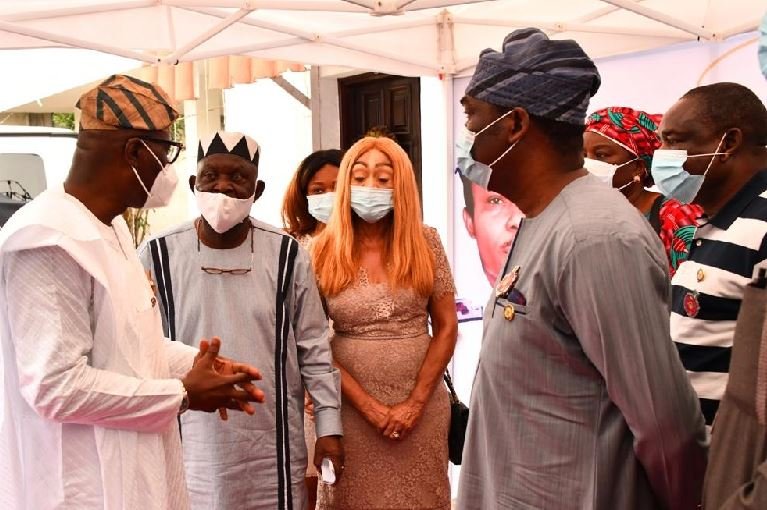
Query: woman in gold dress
x=383, y=275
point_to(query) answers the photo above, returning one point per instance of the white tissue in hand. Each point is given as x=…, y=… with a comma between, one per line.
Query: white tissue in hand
x=328, y=471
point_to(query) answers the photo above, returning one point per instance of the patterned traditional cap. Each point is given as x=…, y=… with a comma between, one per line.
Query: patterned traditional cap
x=124, y=102
x=634, y=130
x=553, y=79
x=229, y=142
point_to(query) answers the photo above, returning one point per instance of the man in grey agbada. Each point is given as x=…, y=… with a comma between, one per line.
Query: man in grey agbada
x=580, y=400
x=252, y=284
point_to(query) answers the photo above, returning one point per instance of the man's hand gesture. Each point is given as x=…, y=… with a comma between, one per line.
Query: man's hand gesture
x=217, y=383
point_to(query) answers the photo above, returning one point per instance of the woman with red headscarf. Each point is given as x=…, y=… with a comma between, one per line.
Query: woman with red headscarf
x=619, y=143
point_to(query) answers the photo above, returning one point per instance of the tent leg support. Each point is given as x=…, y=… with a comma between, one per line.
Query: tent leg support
x=292, y=90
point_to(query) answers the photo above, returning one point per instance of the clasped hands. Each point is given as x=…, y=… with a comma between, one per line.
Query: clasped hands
x=218, y=383
x=394, y=422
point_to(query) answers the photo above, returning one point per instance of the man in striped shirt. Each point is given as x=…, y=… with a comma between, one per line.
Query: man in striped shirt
x=714, y=153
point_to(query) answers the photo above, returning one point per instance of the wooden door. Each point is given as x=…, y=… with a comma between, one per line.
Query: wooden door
x=375, y=100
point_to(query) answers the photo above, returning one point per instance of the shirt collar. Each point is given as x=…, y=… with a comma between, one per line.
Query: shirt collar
x=732, y=210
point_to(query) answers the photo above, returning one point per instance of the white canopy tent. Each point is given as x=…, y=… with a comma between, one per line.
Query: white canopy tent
x=32, y=75
x=428, y=38
x=410, y=37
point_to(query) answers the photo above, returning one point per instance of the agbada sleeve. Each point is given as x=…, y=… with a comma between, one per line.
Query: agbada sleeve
x=310, y=325
x=615, y=296
x=49, y=313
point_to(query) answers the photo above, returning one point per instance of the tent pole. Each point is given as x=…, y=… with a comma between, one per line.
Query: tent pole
x=572, y=27
x=361, y=3
x=397, y=25
x=77, y=11
x=446, y=43
x=434, y=4
x=292, y=91
x=631, y=6
x=426, y=66
x=168, y=18
x=278, y=5
x=75, y=43
x=274, y=27
x=750, y=26
x=174, y=57
x=248, y=48
x=449, y=88
x=465, y=65
x=314, y=38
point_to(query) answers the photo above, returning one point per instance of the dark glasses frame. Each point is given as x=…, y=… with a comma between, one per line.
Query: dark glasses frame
x=218, y=270
x=177, y=145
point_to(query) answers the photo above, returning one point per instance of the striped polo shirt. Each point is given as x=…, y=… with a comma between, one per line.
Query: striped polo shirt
x=708, y=289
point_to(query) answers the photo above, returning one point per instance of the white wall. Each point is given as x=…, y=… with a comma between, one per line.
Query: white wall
x=281, y=125
x=653, y=81
x=437, y=155
x=326, y=121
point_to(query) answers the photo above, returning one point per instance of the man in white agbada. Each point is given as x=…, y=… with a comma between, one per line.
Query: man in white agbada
x=91, y=389
x=251, y=283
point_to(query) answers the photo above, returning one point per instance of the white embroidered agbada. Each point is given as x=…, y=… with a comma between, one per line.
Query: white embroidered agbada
x=90, y=389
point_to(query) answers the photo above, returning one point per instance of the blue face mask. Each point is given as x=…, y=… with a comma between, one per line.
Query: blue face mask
x=466, y=165
x=320, y=206
x=673, y=180
x=372, y=204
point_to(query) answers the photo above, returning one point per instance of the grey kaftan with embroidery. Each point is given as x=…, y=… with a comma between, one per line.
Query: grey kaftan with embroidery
x=580, y=401
x=272, y=318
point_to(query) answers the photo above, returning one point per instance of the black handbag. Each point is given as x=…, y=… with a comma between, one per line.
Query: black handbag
x=459, y=420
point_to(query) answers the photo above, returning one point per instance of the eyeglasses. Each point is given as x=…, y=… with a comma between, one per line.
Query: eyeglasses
x=174, y=148
x=218, y=270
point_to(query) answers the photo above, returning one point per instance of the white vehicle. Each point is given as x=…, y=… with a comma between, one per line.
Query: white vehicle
x=32, y=159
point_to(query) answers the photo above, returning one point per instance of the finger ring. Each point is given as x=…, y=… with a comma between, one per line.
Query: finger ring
x=395, y=435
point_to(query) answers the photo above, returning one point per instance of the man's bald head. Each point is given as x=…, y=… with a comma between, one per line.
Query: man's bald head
x=723, y=106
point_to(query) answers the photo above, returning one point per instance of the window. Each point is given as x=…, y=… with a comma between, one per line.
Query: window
x=22, y=176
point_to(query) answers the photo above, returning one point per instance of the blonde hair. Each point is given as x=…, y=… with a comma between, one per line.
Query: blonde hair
x=409, y=259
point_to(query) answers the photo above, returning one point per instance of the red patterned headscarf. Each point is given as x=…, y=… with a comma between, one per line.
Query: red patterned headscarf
x=635, y=131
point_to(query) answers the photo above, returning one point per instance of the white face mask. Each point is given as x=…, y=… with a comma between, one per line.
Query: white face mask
x=163, y=186
x=221, y=211
x=372, y=204
x=321, y=206
x=605, y=171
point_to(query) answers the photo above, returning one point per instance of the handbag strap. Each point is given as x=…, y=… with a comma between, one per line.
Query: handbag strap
x=449, y=382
